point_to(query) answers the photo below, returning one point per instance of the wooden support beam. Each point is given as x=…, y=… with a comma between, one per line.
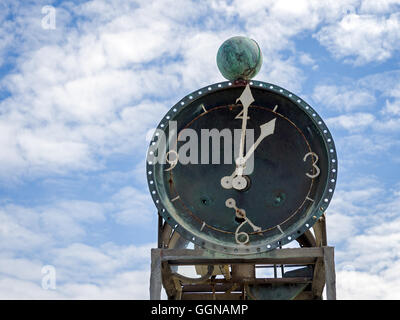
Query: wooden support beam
x=329, y=262
x=175, y=237
x=166, y=235
x=168, y=281
x=287, y=256
x=163, y=259
x=223, y=285
x=155, y=275
x=324, y=237
x=243, y=270
x=318, y=283
x=320, y=232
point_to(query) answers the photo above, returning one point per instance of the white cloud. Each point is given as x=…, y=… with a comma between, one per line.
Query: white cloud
x=13, y=288
x=70, y=220
x=42, y=150
x=37, y=227
x=379, y=93
x=66, y=220
x=366, y=286
x=388, y=125
x=132, y=206
x=355, y=198
x=95, y=86
x=122, y=285
x=367, y=254
x=307, y=60
x=21, y=268
x=387, y=83
x=362, y=38
x=285, y=74
x=382, y=6
x=14, y=236
x=361, y=149
x=342, y=98
x=352, y=122
x=340, y=226
x=74, y=99
x=79, y=92
x=126, y=285
x=392, y=108
x=106, y=271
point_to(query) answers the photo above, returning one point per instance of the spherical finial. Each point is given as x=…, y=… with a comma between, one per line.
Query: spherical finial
x=239, y=58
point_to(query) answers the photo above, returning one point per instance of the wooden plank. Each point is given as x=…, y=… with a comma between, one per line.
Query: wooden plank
x=277, y=280
x=224, y=285
x=166, y=235
x=320, y=232
x=155, y=275
x=324, y=237
x=329, y=261
x=174, y=240
x=318, y=283
x=281, y=256
x=178, y=288
x=168, y=282
x=243, y=270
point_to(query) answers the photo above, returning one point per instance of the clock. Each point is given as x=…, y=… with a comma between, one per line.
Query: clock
x=241, y=167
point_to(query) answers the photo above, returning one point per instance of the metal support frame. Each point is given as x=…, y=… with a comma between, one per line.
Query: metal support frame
x=313, y=252
x=292, y=256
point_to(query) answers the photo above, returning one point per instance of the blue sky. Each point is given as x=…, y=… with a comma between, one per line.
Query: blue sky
x=77, y=102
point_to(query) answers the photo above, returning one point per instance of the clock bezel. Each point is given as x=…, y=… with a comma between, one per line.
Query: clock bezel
x=319, y=208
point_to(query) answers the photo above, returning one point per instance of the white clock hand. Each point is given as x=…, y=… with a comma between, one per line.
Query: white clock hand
x=226, y=182
x=266, y=130
x=241, y=213
x=236, y=180
x=247, y=99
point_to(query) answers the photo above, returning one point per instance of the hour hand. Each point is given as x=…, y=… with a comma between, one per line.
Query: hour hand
x=267, y=129
x=236, y=179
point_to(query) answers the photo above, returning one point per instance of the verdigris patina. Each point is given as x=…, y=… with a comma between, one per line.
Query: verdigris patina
x=239, y=58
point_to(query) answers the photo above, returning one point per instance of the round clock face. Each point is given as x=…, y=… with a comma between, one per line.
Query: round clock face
x=241, y=168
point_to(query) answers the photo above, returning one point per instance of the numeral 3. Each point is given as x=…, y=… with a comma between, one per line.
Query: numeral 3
x=314, y=164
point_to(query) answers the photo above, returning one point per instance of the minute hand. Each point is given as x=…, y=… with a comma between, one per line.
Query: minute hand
x=247, y=99
x=266, y=130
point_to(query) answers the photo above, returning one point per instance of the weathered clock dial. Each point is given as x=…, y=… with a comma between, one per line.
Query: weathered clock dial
x=244, y=167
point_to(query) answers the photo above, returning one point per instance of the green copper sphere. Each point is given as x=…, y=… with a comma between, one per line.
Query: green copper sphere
x=239, y=58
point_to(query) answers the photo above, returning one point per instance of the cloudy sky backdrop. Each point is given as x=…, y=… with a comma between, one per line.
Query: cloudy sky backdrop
x=77, y=101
